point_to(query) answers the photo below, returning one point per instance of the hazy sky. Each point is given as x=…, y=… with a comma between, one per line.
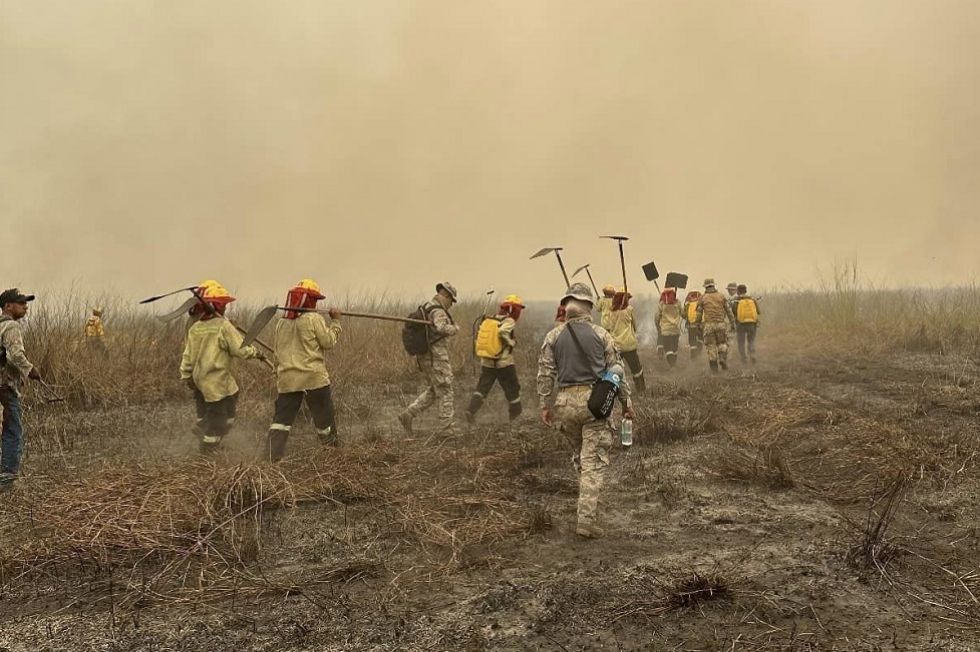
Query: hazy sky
x=389, y=144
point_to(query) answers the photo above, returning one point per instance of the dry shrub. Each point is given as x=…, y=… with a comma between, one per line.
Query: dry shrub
x=874, y=549
x=766, y=466
x=661, y=425
x=688, y=591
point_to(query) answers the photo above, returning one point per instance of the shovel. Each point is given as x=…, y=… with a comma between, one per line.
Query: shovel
x=265, y=315
x=168, y=294
x=557, y=251
x=652, y=274
x=50, y=395
x=591, y=280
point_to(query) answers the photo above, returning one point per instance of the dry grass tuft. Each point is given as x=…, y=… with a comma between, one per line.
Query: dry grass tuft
x=766, y=466
x=874, y=549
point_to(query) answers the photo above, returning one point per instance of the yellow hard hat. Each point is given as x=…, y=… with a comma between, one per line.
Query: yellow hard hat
x=609, y=290
x=216, y=292
x=514, y=300
x=311, y=288
x=207, y=283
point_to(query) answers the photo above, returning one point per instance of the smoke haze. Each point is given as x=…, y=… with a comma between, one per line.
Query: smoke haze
x=391, y=144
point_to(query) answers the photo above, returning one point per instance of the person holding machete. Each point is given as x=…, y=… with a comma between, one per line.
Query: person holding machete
x=15, y=368
x=302, y=339
x=212, y=343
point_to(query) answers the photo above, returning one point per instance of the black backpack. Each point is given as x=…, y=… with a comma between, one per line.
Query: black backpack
x=415, y=337
x=3, y=349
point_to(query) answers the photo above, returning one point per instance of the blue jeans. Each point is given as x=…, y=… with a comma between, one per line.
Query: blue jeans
x=12, y=438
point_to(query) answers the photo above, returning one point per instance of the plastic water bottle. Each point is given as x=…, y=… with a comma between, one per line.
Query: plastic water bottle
x=626, y=433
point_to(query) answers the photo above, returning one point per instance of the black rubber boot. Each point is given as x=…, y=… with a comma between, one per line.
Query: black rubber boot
x=514, y=410
x=714, y=366
x=277, y=444
x=671, y=360
x=640, y=384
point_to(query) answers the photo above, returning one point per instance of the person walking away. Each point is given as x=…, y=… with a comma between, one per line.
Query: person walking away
x=732, y=290
x=693, y=323
x=573, y=357
x=715, y=315
x=621, y=324
x=435, y=363
x=302, y=339
x=15, y=367
x=95, y=332
x=605, y=305
x=669, y=325
x=212, y=343
x=495, y=342
x=746, y=324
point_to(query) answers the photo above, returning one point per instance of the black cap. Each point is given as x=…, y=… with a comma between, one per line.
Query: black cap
x=13, y=295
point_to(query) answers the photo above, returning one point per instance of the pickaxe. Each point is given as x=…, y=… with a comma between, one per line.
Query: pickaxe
x=557, y=251
x=591, y=280
x=198, y=299
x=620, y=239
x=265, y=315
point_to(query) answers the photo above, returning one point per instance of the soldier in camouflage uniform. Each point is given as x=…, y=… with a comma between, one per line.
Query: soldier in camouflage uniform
x=715, y=315
x=435, y=364
x=573, y=356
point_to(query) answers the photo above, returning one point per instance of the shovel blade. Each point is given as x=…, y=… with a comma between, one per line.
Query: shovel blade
x=676, y=280
x=182, y=310
x=650, y=271
x=621, y=238
x=580, y=270
x=259, y=323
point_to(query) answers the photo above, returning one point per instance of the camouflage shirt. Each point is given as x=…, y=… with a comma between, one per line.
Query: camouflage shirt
x=18, y=366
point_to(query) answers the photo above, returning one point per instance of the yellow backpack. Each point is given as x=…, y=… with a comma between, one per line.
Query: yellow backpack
x=692, y=312
x=488, y=342
x=748, y=311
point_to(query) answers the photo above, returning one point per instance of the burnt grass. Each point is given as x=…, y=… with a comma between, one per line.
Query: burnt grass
x=797, y=505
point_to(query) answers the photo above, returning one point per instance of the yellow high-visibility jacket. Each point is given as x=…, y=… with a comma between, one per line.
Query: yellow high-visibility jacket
x=605, y=307
x=94, y=327
x=300, y=346
x=210, y=347
x=622, y=328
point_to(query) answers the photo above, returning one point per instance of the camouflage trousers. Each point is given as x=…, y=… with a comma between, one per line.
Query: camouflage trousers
x=716, y=342
x=438, y=374
x=592, y=439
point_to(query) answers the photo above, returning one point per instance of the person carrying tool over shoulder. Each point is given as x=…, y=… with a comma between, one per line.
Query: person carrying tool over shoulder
x=573, y=358
x=669, y=325
x=693, y=323
x=95, y=331
x=747, y=323
x=302, y=340
x=605, y=304
x=620, y=322
x=15, y=368
x=495, y=342
x=715, y=315
x=212, y=343
x=429, y=345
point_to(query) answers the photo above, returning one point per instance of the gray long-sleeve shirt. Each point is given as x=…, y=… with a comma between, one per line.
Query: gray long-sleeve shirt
x=17, y=368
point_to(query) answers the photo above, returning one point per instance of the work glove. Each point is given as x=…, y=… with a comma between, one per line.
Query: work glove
x=335, y=313
x=260, y=355
x=34, y=374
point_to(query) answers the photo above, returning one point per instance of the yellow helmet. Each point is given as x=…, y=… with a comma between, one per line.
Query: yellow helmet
x=310, y=287
x=609, y=290
x=514, y=300
x=216, y=293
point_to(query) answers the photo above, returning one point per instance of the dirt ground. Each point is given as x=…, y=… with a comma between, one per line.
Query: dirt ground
x=807, y=503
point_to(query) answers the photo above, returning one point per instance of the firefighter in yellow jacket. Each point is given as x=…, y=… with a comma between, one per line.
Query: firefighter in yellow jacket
x=95, y=331
x=693, y=323
x=669, y=325
x=715, y=315
x=605, y=304
x=212, y=343
x=621, y=324
x=495, y=342
x=747, y=323
x=303, y=336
